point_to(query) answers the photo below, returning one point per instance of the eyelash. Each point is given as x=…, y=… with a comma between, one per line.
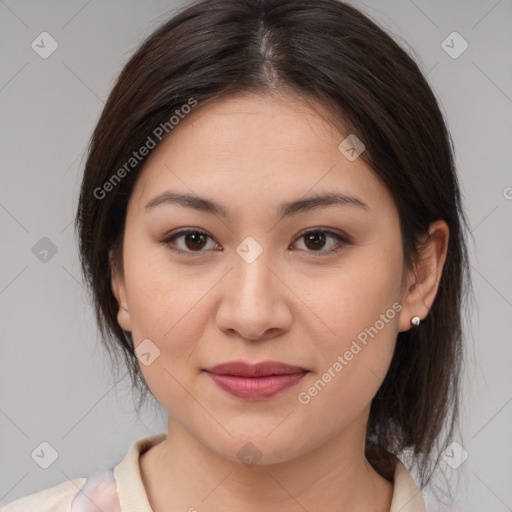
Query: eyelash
x=343, y=240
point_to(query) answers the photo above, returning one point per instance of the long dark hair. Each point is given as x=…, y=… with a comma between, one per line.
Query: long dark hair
x=329, y=51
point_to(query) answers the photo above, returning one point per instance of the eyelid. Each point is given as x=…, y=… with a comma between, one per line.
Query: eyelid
x=343, y=240
x=342, y=236
x=166, y=241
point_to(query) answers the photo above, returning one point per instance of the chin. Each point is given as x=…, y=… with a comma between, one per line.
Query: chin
x=255, y=450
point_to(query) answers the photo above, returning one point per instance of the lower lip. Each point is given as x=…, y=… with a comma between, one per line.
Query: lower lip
x=255, y=388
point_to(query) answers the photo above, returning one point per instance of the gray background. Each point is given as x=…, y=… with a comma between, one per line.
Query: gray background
x=55, y=384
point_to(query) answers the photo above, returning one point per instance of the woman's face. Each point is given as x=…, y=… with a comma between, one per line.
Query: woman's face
x=249, y=284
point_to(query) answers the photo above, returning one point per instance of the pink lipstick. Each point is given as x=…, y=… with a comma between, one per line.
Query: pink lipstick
x=255, y=381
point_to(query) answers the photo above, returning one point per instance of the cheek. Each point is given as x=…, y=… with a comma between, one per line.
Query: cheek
x=360, y=308
x=165, y=307
x=354, y=364
x=361, y=294
x=169, y=313
x=162, y=295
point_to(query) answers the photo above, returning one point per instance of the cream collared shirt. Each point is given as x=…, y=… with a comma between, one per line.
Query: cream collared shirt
x=122, y=490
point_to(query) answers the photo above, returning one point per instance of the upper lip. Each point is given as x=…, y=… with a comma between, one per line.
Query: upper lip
x=243, y=369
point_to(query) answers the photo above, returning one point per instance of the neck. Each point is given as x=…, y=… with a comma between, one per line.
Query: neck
x=181, y=473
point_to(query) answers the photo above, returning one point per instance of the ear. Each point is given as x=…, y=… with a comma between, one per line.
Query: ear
x=423, y=281
x=119, y=291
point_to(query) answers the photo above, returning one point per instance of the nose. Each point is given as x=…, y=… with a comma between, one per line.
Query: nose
x=255, y=300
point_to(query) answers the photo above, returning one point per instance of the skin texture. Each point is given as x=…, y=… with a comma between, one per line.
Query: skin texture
x=293, y=304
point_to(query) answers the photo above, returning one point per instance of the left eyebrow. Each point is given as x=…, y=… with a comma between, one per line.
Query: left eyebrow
x=284, y=210
x=320, y=201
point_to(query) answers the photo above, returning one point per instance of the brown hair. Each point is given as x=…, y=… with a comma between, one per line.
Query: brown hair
x=329, y=51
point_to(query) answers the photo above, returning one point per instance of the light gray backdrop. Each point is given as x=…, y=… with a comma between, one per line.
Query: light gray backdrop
x=55, y=384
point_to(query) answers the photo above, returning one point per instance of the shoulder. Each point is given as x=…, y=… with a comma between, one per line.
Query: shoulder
x=103, y=490
x=54, y=499
x=96, y=492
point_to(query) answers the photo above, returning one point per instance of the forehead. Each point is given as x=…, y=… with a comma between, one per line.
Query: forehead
x=256, y=148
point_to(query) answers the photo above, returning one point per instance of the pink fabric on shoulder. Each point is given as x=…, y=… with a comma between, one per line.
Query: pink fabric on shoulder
x=98, y=494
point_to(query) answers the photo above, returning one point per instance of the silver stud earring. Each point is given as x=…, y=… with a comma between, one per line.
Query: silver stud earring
x=415, y=320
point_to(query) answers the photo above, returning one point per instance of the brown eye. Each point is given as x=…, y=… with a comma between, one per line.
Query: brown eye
x=195, y=241
x=192, y=241
x=317, y=240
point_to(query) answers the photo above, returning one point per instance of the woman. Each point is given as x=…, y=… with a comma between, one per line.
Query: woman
x=271, y=228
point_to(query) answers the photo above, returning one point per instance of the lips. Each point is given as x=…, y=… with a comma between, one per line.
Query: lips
x=255, y=381
x=263, y=369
